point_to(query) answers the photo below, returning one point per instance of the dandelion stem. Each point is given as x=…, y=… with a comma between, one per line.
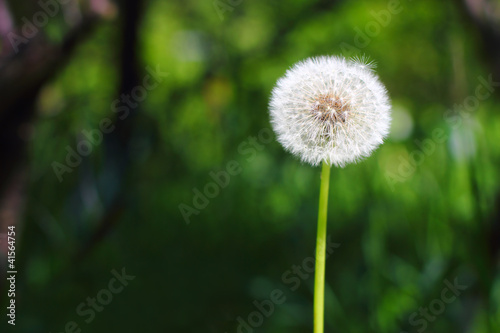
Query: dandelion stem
x=319, y=278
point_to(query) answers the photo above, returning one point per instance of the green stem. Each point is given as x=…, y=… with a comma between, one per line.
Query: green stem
x=319, y=278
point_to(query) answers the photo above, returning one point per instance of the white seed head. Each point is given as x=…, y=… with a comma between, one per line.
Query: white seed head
x=330, y=109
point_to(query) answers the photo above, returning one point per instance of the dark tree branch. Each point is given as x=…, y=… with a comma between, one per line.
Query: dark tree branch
x=22, y=76
x=482, y=17
x=117, y=142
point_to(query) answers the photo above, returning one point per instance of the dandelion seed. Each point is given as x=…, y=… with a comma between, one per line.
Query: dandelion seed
x=330, y=109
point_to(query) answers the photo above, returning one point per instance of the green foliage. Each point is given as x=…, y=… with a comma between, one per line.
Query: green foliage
x=399, y=238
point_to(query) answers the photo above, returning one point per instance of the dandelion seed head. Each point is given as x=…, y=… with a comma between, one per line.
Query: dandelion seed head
x=330, y=109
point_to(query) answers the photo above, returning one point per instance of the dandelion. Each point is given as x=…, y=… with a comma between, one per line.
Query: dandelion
x=332, y=111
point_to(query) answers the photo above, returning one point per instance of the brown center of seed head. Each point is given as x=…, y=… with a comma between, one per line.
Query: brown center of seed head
x=330, y=108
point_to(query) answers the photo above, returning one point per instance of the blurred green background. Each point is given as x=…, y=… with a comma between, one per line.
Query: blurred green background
x=403, y=229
